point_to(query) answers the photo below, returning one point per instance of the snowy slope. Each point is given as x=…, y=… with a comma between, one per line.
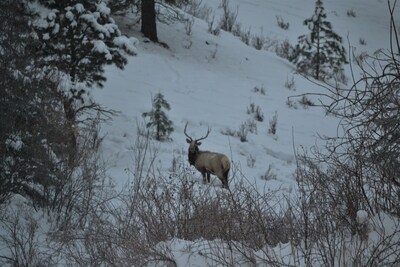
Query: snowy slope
x=209, y=80
x=211, y=84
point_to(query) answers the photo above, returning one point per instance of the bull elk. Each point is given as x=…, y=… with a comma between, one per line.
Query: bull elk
x=208, y=162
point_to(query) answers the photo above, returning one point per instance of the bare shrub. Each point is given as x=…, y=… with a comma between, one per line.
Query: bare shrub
x=251, y=161
x=273, y=123
x=73, y=196
x=189, y=22
x=367, y=112
x=291, y=104
x=290, y=84
x=284, y=49
x=348, y=201
x=306, y=102
x=258, y=41
x=351, y=13
x=251, y=126
x=254, y=110
x=197, y=9
x=259, y=89
x=245, y=36
x=229, y=132
x=281, y=23
x=211, y=29
x=242, y=133
x=269, y=174
x=330, y=202
x=229, y=16
x=20, y=238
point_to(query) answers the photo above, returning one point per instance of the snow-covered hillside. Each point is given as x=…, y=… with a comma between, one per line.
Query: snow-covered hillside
x=209, y=81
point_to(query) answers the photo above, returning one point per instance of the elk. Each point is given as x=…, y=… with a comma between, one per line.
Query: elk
x=208, y=162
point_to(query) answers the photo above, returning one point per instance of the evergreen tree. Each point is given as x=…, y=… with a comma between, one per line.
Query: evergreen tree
x=320, y=53
x=78, y=39
x=158, y=118
x=32, y=152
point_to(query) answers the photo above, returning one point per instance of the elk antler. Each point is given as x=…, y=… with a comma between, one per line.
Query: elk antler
x=184, y=131
x=196, y=140
x=208, y=132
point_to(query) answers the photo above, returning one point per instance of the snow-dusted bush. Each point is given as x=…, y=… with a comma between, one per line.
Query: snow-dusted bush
x=284, y=49
x=259, y=89
x=229, y=16
x=245, y=36
x=290, y=84
x=212, y=29
x=198, y=9
x=273, y=122
x=269, y=174
x=306, y=102
x=249, y=126
x=189, y=22
x=256, y=112
x=251, y=161
x=242, y=133
x=281, y=23
x=351, y=13
x=336, y=210
x=21, y=237
x=257, y=41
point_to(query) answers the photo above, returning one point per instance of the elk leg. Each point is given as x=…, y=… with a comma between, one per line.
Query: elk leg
x=204, y=176
x=225, y=179
x=208, y=177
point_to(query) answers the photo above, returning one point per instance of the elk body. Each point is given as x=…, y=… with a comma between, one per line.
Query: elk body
x=208, y=162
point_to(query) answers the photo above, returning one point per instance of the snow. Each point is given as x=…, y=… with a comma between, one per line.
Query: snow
x=100, y=47
x=14, y=142
x=103, y=9
x=362, y=216
x=210, y=84
x=69, y=15
x=79, y=8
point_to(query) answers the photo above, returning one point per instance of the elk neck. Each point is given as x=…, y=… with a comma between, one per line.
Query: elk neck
x=193, y=154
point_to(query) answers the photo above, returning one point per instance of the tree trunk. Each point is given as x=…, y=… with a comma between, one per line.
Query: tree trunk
x=149, y=26
x=70, y=116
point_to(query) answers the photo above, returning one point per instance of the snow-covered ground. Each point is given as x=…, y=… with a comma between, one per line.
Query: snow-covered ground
x=209, y=81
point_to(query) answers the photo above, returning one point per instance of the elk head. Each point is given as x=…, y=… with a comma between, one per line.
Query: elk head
x=194, y=145
x=207, y=162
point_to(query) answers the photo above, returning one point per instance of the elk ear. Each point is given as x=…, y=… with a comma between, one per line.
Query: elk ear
x=198, y=143
x=188, y=140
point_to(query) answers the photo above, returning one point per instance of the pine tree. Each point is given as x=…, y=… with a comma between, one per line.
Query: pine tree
x=32, y=153
x=158, y=118
x=320, y=53
x=78, y=40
